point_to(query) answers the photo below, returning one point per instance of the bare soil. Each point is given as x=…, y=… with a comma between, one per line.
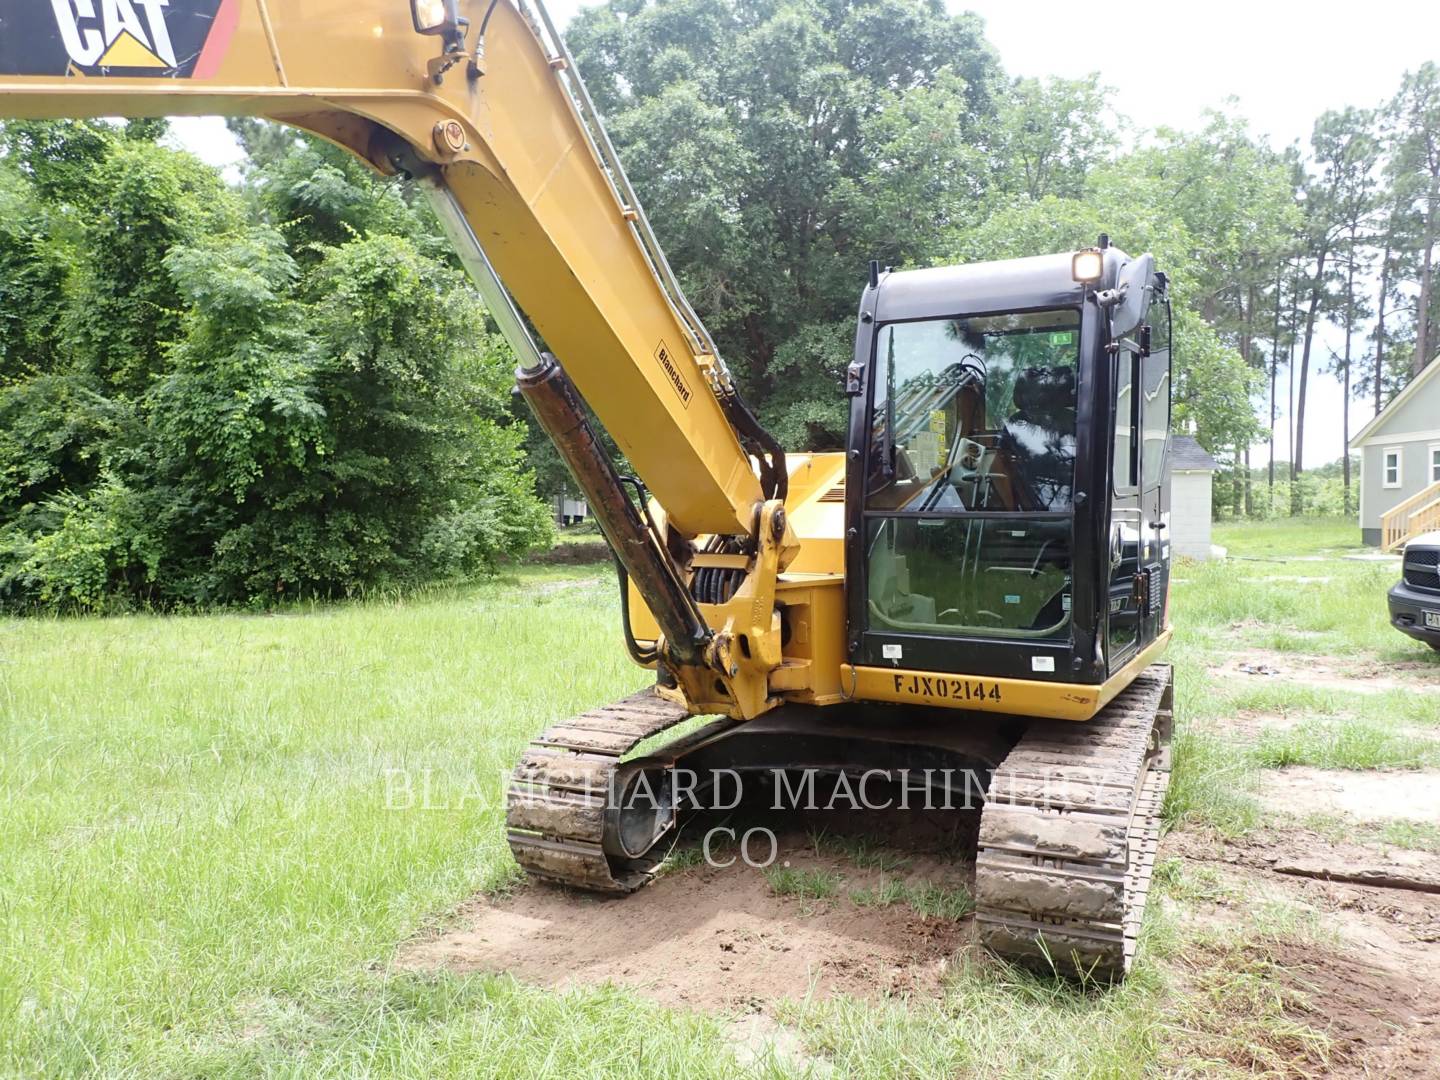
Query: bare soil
x=1372, y=979
x=1379, y=1020
x=1356, y=676
x=1369, y=796
x=719, y=938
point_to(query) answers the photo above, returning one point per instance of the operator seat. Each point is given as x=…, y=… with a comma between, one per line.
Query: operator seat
x=1040, y=438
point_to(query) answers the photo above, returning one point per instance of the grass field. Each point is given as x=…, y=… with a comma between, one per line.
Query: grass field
x=217, y=830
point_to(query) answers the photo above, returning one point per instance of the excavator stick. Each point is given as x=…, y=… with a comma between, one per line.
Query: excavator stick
x=553, y=399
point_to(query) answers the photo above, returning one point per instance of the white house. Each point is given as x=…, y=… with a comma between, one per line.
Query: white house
x=570, y=511
x=1192, y=474
x=1400, y=464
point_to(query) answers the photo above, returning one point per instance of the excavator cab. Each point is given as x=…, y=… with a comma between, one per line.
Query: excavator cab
x=1007, y=509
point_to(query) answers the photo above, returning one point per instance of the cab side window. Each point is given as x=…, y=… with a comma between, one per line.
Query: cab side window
x=1155, y=402
x=1125, y=364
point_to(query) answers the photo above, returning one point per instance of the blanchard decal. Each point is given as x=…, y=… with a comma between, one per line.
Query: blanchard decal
x=673, y=374
x=156, y=39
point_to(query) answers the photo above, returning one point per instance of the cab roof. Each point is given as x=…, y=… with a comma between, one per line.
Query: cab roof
x=1041, y=281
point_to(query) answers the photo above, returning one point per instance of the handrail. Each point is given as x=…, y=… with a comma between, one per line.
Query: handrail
x=1432, y=492
x=1426, y=519
x=1399, y=523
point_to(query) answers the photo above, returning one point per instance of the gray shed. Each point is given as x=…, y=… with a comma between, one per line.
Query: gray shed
x=1400, y=464
x=1192, y=473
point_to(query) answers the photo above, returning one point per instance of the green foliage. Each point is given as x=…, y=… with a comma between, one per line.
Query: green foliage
x=1318, y=493
x=126, y=308
x=1213, y=385
x=59, y=156
x=198, y=409
x=32, y=275
x=1050, y=135
x=778, y=147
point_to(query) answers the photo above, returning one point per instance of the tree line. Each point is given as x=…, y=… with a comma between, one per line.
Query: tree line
x=780, y=145
x=243, y=393
x=216, y=395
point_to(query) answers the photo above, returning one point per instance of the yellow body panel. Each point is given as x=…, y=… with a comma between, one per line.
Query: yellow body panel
x=1017, y=697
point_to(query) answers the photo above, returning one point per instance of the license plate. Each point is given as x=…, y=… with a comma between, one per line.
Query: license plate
x=1432, y=620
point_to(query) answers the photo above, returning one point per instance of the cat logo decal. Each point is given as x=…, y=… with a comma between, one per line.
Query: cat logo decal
x=166, y=39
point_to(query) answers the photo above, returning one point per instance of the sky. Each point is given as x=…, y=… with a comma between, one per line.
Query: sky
x=1284, y=63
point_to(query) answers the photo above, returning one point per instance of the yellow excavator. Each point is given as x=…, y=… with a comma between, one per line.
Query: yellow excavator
x=979, y=580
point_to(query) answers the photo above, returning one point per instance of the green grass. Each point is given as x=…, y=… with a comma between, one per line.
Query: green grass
x=1412, y=835
x=805, y=885
x=1291, y=593
x=888, y=892
x=1347, y=745
x=1286, y=538
x=217, y=831
x=1397, y=833
x=929, y=899
x=862, y=851
x=1212, y=784
x=1237, y=605
x=992, y=1021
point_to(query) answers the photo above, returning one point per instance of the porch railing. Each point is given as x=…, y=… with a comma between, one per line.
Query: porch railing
x=1417, y=514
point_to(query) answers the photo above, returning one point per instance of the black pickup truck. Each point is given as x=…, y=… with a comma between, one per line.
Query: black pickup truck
x=1415, y=601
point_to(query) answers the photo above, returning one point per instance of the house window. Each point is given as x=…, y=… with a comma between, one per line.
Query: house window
x=1435, y=463
x=1390, y=467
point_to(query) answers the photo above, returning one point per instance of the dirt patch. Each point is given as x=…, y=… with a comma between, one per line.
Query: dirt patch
x=1370, y=981
x=760, y=1045
x=1375, y=1020
x=1400, y=925
x=1248, y=725
x=1256, y=666
x=1369, y=795
x=717, y=938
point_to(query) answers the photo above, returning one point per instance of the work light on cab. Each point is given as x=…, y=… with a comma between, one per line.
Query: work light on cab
x=1087, y=266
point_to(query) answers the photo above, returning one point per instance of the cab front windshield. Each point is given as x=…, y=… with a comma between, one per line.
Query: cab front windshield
x=975, y=414
x=971, y=476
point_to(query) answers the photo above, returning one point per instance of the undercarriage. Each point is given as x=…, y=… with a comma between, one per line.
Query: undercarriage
x=1069, y=812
